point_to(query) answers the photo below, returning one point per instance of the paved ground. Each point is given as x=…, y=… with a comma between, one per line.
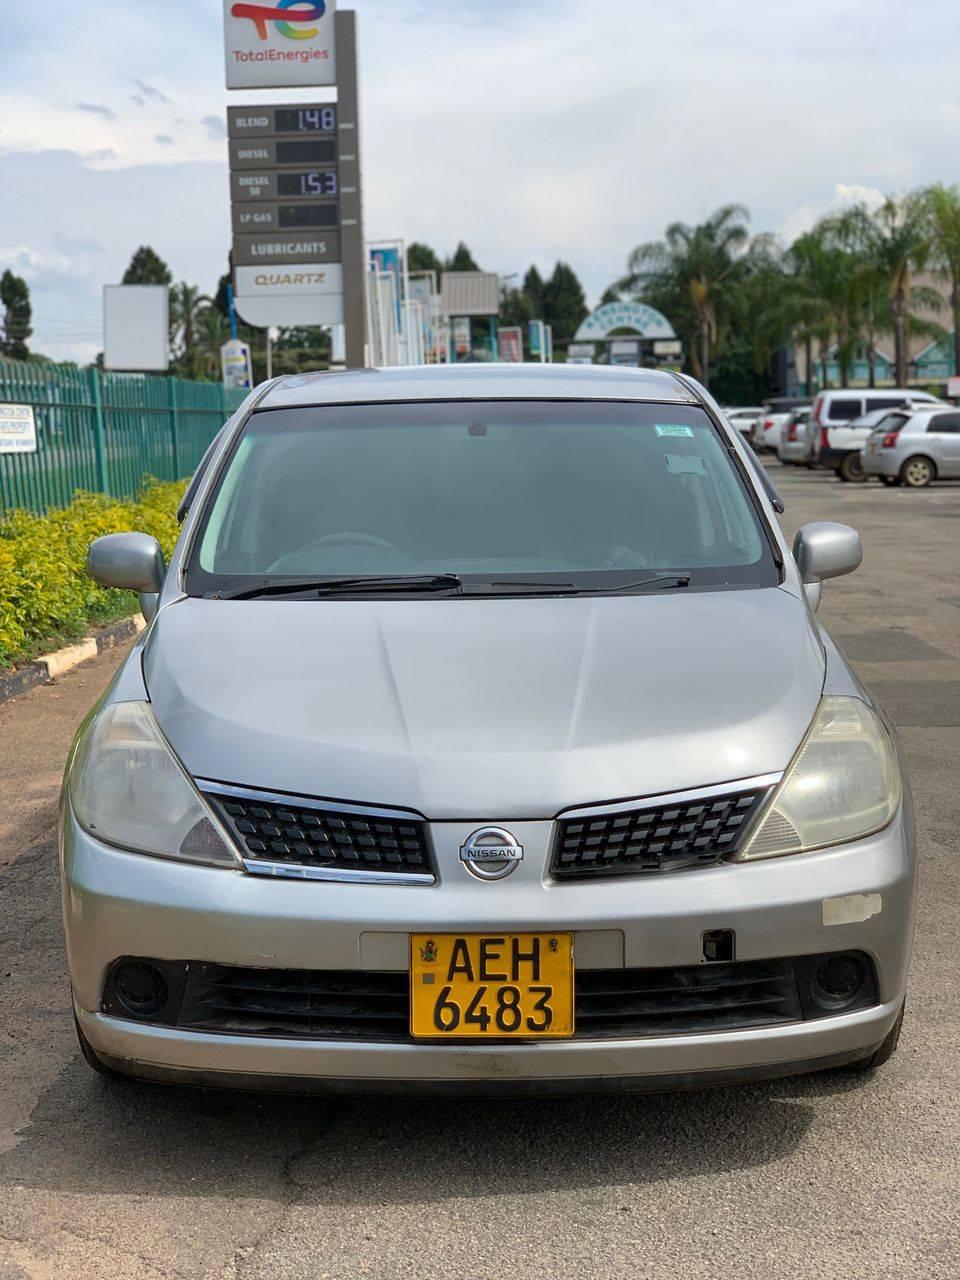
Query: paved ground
x=817, y=1177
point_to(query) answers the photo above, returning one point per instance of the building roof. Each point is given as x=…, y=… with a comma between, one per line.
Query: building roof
x=477, y=382
x=470, y=293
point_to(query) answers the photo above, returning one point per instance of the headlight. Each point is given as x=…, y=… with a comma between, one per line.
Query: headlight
x=128, y=789
x=844, y=783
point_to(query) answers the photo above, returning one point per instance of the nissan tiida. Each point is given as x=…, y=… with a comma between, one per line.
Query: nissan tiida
x=440, y=764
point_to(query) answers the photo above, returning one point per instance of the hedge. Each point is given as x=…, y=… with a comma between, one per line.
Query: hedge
x=46, y=598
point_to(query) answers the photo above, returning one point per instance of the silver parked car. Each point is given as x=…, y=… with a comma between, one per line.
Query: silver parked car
x=795, y=447
x=915, y=447
x=441, y=766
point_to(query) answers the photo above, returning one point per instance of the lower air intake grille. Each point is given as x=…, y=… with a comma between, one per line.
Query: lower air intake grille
x=302, y=1003
x=695, y=833
x=293, y=833
x=610, y=1003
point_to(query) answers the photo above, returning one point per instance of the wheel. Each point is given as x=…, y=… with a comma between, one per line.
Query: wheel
x=916, y=473
x=886, y=1050
x=851, y=468
x=892, y=482
x=840, y=476
x=90, y=1056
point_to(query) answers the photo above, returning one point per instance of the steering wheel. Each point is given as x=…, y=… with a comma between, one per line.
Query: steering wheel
x=349, y=539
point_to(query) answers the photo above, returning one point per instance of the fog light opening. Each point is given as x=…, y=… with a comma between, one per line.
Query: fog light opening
x=838, y=981
x=141, y=988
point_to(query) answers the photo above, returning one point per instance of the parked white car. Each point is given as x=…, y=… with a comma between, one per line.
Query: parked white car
x=744, y=419
x=844, y=419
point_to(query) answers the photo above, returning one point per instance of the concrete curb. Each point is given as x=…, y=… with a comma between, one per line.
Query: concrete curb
x=56, y=664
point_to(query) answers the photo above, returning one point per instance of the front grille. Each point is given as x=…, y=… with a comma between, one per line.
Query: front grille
x=624, y=1003
x=297, y=833
x=610, y=1003
x=302, y=1003
x=695, y=833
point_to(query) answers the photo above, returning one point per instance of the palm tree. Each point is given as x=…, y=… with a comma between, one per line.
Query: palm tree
x=690, y=273
x=943, y=220
x=186, y=305
x=212, y=331
x=894, y=242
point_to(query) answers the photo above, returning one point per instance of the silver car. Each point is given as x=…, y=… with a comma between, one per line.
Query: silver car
x=795, y=447
x=440, y=766
x=915, y=447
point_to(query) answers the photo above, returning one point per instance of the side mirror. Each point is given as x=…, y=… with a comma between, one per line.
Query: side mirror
x=825, y=550
x=132, y=562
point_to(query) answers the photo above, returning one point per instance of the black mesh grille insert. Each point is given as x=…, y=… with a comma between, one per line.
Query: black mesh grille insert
x=307, y=1004
x=375, y=1006
x=288, y=832
x=695, y=833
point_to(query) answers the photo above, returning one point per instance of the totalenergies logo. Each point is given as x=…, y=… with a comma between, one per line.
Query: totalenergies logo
x=289, y=15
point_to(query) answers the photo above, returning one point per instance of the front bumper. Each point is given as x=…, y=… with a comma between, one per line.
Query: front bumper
x=118, y=904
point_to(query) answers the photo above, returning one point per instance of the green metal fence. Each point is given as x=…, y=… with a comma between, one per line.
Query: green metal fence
x=105, y=431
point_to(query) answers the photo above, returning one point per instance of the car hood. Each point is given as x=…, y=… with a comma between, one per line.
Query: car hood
x=479, y=709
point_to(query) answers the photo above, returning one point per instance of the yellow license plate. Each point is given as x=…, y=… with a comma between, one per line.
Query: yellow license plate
x=483, y=986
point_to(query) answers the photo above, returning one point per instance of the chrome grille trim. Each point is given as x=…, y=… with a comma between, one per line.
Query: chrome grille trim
x=280, y=870
x=760, y=782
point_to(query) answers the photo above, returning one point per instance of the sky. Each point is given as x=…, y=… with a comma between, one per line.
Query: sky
x=533, y=132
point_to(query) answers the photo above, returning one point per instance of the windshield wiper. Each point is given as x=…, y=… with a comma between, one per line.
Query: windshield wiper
x=665, y=581
x=345, y=586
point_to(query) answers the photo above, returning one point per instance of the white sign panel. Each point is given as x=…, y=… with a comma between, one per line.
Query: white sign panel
x=275, y=44
x=18, y=429
x=953, y=388
x=136, y=327
x=306, y=294
x=235, y=364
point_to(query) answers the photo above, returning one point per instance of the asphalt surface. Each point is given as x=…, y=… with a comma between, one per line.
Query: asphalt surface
x=825, y=1176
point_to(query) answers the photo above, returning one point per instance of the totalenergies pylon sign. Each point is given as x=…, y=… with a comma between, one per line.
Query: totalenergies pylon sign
x=271, y=44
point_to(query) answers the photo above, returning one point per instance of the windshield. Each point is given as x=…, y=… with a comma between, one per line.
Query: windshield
x=593, y=494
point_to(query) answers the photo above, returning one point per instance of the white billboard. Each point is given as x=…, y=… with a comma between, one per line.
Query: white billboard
x=136, y=327
x=274, y=44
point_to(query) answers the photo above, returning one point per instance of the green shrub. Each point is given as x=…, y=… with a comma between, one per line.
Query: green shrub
x=45, y=594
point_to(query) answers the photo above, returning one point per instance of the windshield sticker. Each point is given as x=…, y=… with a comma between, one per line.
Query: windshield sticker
x=672, y=429
x=679, y=464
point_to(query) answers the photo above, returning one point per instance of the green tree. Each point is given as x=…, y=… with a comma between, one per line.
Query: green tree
x=895, y=245
x=515, y=308
x=533, y=287
x=212, y=329
x=462, y=260
x=420, y=257
x=187, y=304
x=17, y=314
x=147, y=267
x=564, y=303
x=943, y=228
x=692, y=275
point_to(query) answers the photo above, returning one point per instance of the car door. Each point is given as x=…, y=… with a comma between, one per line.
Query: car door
x=842, y=411
x=943, y=438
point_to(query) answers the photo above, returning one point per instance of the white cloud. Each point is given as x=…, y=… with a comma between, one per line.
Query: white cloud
x=844, y=196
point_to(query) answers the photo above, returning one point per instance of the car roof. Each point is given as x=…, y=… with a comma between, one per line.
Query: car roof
x=477, y=382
